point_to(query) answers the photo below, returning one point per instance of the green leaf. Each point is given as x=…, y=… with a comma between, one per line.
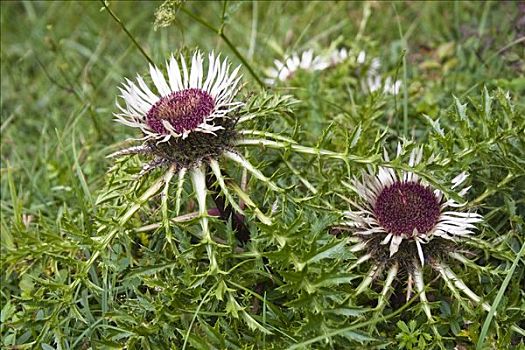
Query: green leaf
x=348, y=312
x=356, y=135
x=461, y=109
x=335, y=250
x=149, y=270
x=403, y=326
x=359, y=337
x=253, y=324
x=233, y=307
x=7, y=311
x=335, y=280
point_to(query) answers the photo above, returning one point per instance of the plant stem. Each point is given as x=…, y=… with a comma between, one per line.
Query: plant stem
x=405, y=76
x=223, y=36
x=241, y=57
x=127, y=31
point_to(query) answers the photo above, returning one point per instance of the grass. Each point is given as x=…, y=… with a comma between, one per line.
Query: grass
x=74, y=276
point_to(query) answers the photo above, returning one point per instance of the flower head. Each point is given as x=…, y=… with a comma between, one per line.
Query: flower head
x=188, y=101
x=285, y=69
x=402, y=222
x=398, y=207
x=372, y=80
x=190, y=118
x=337, y=56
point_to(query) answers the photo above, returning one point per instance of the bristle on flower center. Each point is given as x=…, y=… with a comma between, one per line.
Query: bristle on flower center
x=184, y=110
x=404, y=206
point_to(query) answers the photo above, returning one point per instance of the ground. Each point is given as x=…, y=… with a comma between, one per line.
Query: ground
x=68, y=283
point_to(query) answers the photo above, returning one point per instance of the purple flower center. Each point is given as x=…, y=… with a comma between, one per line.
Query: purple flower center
x=404, y=206
x=183, y=110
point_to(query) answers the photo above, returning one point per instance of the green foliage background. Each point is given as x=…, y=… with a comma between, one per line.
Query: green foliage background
x=290, y=286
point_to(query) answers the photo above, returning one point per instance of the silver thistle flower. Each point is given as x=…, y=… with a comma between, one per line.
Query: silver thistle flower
x=404, y=207
x=401, y=222
x=308, y=61
x=284, y=70
x=190, y=124
x=188, y=102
